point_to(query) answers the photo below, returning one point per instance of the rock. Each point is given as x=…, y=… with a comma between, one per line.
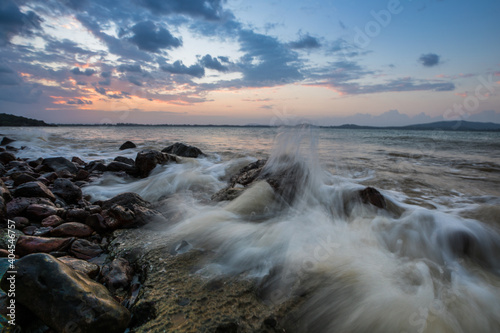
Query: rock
x=117, y=274
x=23, y=178
x=4, y=192
x=52, y=221
x=127, y=145
x=72, y=229
x=50, y=176
x=124, y=159
x=21, y=222
x=78, y=160
x=77, y=214
x=6, y=141
x=33, y=189
x=372, y=196
x=32, y=244
x=35, y=163
x=96, y=222
x=6, y=157
x=96, y=166
x=60, y=163
x=11, y=148
x=65, y=300
x=87, y=268
x=181, y=149
x=42, y=232
x=147, y=160
x=63, y=173
x=228, y=193
x=18, y=206
x=30, y=230
x=83, y=249
x=68, y=191
x=119, y=166
x=81, y=175
x=5, y=237
x=248, y=174
x=40, y=211
x=128, y=210
x=3, y=209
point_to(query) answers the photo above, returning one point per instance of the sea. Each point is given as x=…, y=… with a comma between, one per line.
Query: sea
x=428, y=263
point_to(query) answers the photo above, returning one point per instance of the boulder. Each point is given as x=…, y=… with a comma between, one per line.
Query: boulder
x=18, y=206
x=127, y=145
x=181, y=149
x=33, y=244
x=52, y=221
x=124, y=159
x=6, y=141
x=78, y=160
x=77, y=214
x=87, y=268
x=65, y=300
x=248, y=174
x=6, y=157
x=83, y=249
x=40, y=211
x=23, y=178
x=117, y=274
x=372, y=196
x=68, y=191
x=147, y=160
x=33, y=189
x=72, y=229
x=81, y=175
x=119, y=166
x=59, y=163
x=21, y=222
x=4, y=192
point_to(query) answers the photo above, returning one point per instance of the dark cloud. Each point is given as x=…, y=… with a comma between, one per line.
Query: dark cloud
x=9, y=77
x=267, y=61
x=87, y=71
x=100, y=90
x=14, y=22
x=150, y=37
x=305, y=42
x=397, y=85
x=179, y=68
x=213, y=63
x=135, y=68
x=106, y=74
x=24, y=94
x=78, y=101
x=429, y=59
x=135, y=80
x=66, y=45
x=207, y=9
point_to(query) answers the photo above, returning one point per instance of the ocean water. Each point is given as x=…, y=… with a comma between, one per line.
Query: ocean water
x=429, y=263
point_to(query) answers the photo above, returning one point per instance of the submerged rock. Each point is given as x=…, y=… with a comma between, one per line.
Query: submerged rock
x=127, y=145
x=65, y=300
x=373, y=196
x=181, y=149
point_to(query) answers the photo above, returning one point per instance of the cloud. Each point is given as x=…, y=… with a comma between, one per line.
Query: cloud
x=87, y=72
x=179, y=68
x=207, y=9
x=78, y=101
x=429, y=59
x=396, y=85
x=66, y=45
x=305, y=42
x=135, y=68
x=213, y=63
x=150, y=37
x=24, y=94
x=135, y=80
x=14, y=22
x=100, y=90
x=106, y=74
x=8, y=77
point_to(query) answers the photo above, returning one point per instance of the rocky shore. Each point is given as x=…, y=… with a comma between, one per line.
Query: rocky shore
x=85, y=266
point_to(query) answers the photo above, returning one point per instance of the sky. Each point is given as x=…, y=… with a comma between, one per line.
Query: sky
x=365, y=62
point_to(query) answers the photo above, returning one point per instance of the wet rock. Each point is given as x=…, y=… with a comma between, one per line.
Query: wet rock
x=77, y=214
x=96, y=222
x=81, y=175
x=96, y=166
x=147, y=160
x=87, y=268
x=30, y=230
x=4, y=192
x=117, y=274
x=119, y=166
x=60, y=163
x=63, y=173
x=33, y=189
x=142, y=312
x=181, y=149
x=228, y=193
x=127, y=145
x=248, y=174
x=23, y=178
x=18, y=206
x=83, y=249
x=5, y=237
x=35, y=163
x=21, y=222
x=6, y=157
x=128, y=210
x=3, y=209
x=78, y=160
x=6, y=141
x=40, y=211
x=50, y=176
x=42, y=232
x=372, y=196
x=33, y=244
x=11, y=148
x=65, y=300
x=68, y=191
x=52, y=221
x=72, y=229
x=125, y=160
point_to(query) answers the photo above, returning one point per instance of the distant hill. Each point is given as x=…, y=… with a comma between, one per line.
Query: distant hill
x=11, y=120
x=439, y=125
